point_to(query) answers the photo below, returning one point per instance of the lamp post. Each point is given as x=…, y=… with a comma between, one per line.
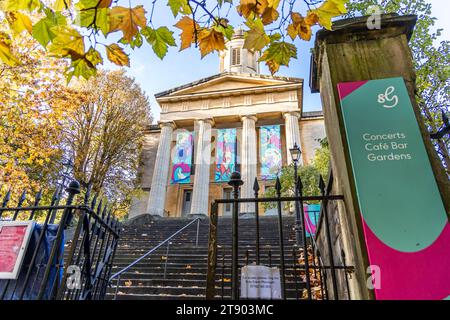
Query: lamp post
x=295, y=155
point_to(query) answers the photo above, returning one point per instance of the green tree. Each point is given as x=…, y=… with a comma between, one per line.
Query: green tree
x=431, y=61
x=322, y=158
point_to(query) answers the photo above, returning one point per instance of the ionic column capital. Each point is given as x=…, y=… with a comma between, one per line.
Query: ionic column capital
x=167, y=124
x=207, y=120
x=250, y=117
x=292, y=114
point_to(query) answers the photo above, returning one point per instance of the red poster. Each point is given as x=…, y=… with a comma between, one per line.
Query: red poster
x=13, y=241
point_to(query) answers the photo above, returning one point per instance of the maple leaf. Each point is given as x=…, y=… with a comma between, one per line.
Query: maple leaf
x=278, y=53
x=210, y=40
x=67, y=42
x=188, y=28
x=116, y=55
x=179, y=6
x=13, y=5
x=127, y=20
x=5, y=50
x=60, y=5
x=328, y=10
x=94, y=14
x=42, y=30
x=300, y=27
x=256, y=38
x=160, y=39
x=250, y=8
x=19, y=22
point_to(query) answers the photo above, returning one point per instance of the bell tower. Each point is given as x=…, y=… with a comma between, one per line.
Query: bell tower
x=238, y=59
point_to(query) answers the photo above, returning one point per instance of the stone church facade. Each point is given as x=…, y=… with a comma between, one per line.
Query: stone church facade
x=237, y=120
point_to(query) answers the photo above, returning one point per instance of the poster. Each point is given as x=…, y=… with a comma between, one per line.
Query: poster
x=225, y=154
x=270, y=152
x=405, y=225
x=182, y=158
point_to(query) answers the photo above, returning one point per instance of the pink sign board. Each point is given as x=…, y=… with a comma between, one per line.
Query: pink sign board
x=14, y=238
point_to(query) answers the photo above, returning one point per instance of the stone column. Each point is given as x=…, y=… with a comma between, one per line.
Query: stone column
x=200, y=203
x=248, y=161
x=292, y=134
x=157, y=197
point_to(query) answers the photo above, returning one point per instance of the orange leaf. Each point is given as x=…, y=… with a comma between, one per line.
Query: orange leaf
x=116, y=55
x=210, y=40
x=188, y=28
x=127, y=20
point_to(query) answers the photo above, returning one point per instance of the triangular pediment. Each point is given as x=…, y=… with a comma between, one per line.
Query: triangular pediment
x=227, y=82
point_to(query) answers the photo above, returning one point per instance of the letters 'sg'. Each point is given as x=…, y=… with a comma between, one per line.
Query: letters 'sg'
x=388, y=97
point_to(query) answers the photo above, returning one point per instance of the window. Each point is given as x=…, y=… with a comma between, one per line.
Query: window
x=235, y=56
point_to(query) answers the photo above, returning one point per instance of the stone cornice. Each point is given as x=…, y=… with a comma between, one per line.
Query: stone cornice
x=231, y=92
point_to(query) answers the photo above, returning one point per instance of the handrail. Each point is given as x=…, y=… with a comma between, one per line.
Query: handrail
x=156, y=248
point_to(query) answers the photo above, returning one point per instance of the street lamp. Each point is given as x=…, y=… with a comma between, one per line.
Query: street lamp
x=295, y=155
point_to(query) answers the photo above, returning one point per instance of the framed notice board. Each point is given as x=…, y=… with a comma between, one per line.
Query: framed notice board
x=14, y=239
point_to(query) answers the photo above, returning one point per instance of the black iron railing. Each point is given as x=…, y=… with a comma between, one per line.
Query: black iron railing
x=312, y=277
x=71, y=249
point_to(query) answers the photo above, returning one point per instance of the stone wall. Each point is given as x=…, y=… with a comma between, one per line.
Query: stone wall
x=145, y=171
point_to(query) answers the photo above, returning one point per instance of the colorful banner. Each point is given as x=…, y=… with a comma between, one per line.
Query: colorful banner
x=405, y=225
x=225, y=154
x=270, y=152
x=312, y=213
x=182, y=159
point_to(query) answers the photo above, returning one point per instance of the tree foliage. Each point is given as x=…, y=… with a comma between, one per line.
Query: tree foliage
x=431, y=61
x=33, y=102
x=64, y=28
x=103, y=136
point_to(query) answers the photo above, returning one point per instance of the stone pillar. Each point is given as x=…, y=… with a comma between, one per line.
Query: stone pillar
x=352, y=53
x=292, y=134
x=249, y=161
x=200, y=203
x=157, y=197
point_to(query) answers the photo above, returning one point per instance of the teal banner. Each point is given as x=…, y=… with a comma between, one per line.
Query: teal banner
x=405, y=224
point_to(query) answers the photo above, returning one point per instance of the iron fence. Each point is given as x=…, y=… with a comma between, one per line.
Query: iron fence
x=71, y=249
x=310, y=276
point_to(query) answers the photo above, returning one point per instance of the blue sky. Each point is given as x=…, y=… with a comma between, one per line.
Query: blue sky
x=177, y=68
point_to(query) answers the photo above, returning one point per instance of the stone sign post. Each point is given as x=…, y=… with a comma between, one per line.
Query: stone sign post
x=350, y=65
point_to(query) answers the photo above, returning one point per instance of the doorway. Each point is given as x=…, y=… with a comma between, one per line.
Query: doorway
x=227, y=208
x=187, y=201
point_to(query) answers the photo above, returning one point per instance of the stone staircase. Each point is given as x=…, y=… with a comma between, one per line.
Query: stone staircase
x=181, y=274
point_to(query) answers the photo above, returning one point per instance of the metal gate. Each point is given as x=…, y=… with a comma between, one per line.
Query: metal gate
x=315, y=271
x=71, y=251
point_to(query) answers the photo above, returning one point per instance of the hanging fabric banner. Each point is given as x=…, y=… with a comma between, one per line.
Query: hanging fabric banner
x=225, y=154
x=270, y=152
x=182, y=159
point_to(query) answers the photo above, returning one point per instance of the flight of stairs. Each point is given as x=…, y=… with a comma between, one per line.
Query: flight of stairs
x=185, y=275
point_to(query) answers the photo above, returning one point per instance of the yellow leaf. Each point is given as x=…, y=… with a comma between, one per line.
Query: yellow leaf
x=210, y=40
x=269, y=15
x=116, y=55
x=60, y=5
x=128, y=283
x=19, y=22
x=250, y=8
x=300, y=27
x=188, y=28
x=68, y=42
x=5, y=50
x=329, y=10
x=127, y=20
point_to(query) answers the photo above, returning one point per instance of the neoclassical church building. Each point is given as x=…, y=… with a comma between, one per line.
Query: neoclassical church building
x=237, y=120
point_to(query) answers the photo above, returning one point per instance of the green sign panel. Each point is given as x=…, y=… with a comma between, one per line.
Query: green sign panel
x=404, y=220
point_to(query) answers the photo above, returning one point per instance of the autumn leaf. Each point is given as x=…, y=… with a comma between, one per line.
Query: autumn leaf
x=95, y=14
x=5, y=50
x=60, y=5
x=278, y=53
x=127, y=20
x=328, y=10
x=19, y=22
x=179, y=6
x=265, y=9
x=188, y=28
x=299, y=27
x=160, y=39
x=210, y=40
x=13, y=5
x=42, y=30
x=116, y=55
x=67, y=42
x=256, y=38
